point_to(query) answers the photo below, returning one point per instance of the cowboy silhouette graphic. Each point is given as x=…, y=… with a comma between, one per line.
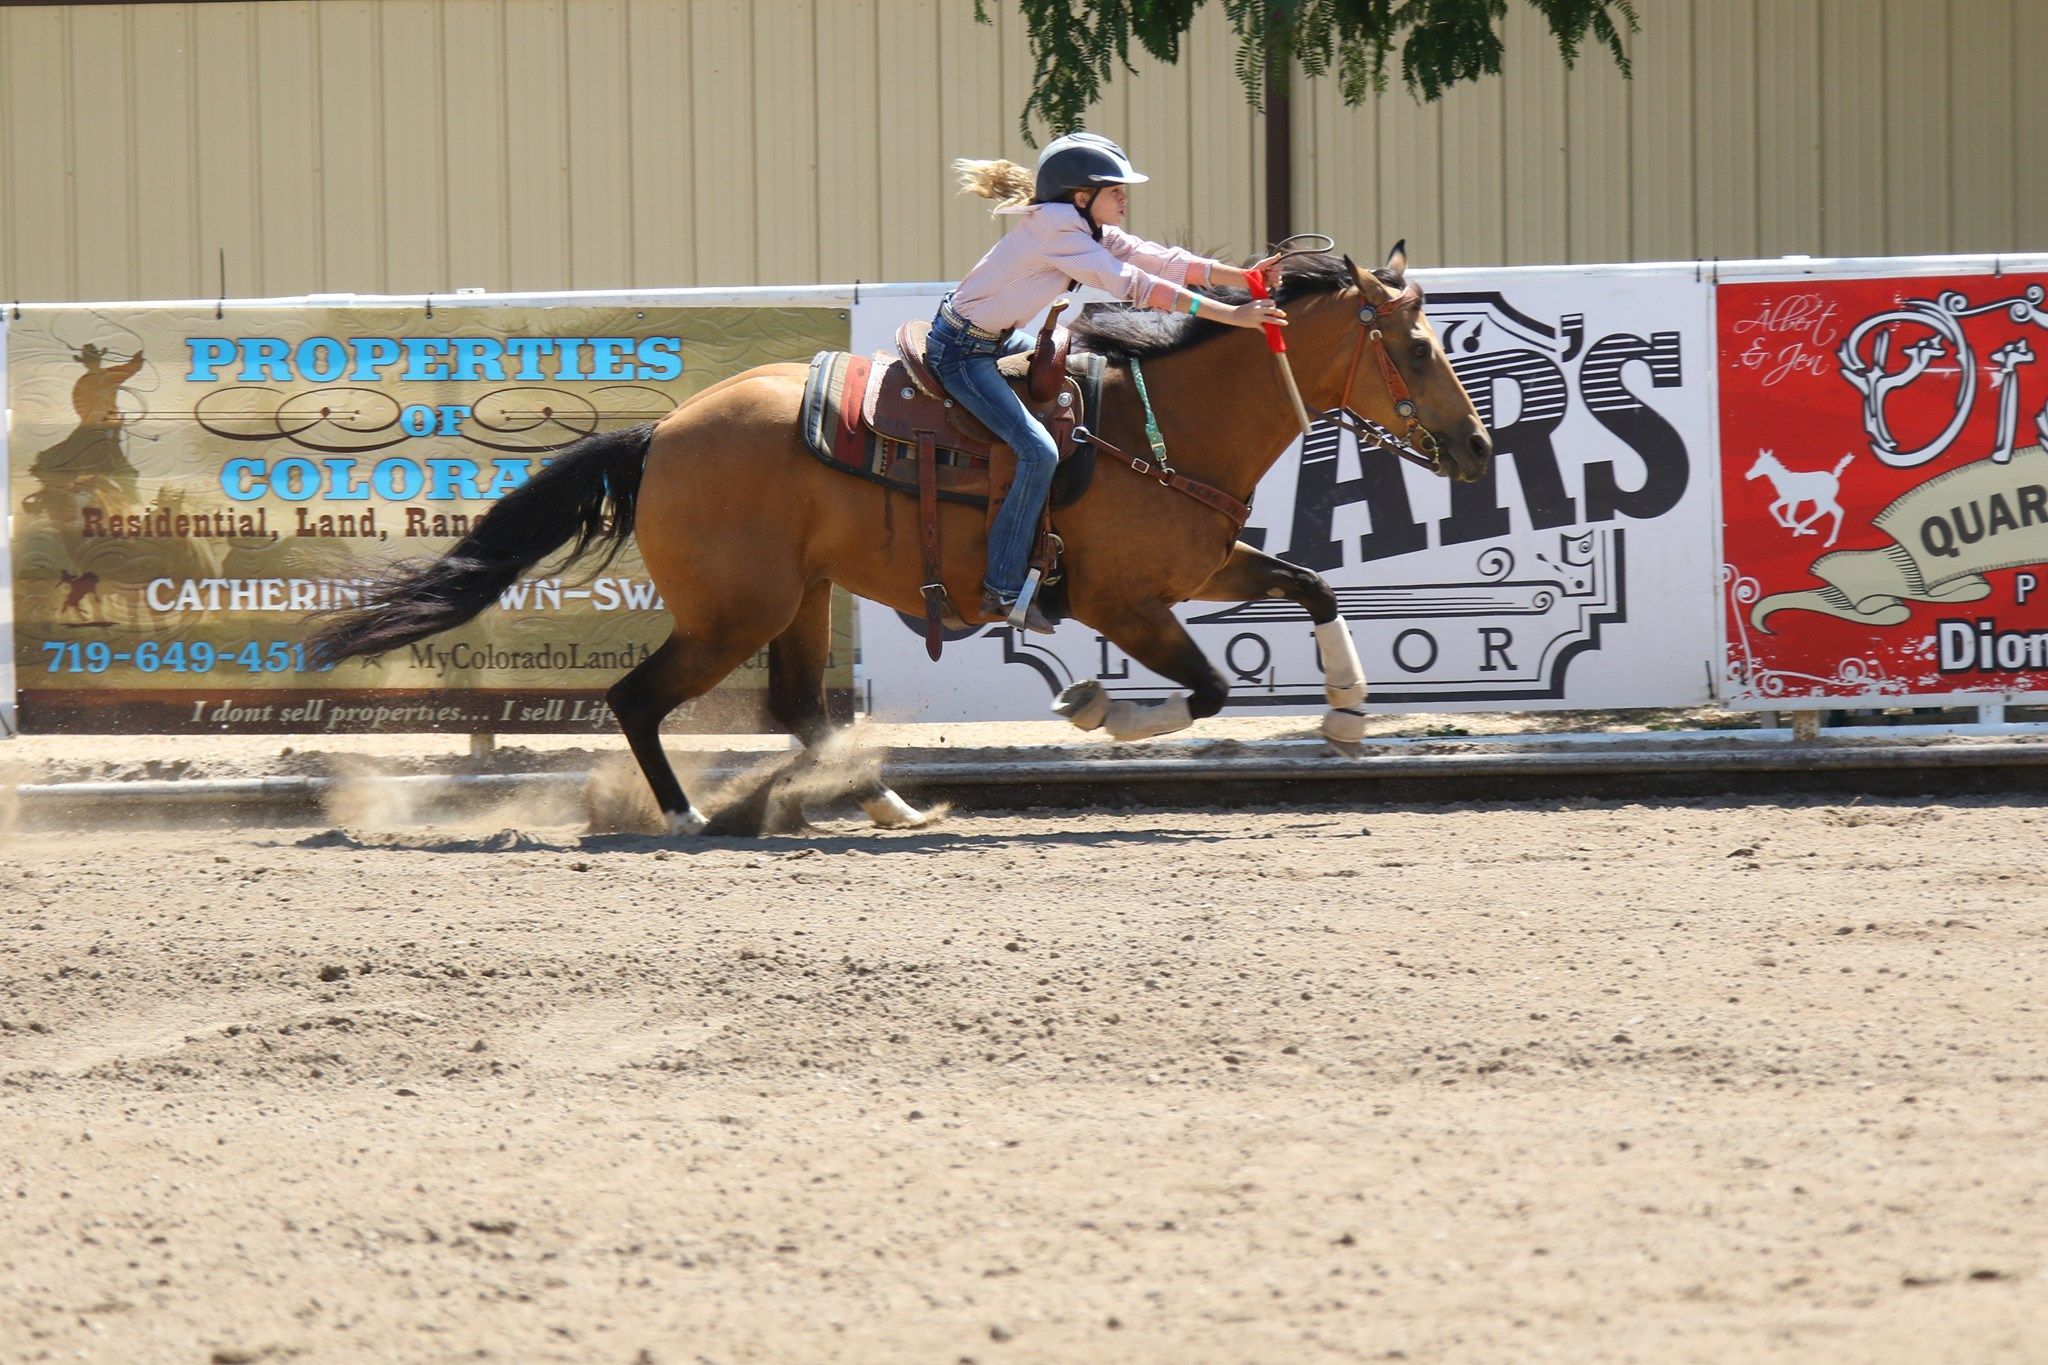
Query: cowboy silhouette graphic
x=90, y=465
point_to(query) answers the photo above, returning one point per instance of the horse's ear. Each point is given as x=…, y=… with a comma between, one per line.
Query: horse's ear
x=1397, y=259
x=1348, y=265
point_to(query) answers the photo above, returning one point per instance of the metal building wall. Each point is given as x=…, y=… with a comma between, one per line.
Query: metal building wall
x=422, y=145
x=1752, y=128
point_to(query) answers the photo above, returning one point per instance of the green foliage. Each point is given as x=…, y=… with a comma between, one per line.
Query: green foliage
x=1077, y=44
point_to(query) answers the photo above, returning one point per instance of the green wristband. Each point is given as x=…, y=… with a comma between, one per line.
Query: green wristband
x=1194, y=304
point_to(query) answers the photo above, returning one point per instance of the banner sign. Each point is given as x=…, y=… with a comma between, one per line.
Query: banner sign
x=1885, y=488
x=1578, y=574
x=189, y=484
x=7, y=729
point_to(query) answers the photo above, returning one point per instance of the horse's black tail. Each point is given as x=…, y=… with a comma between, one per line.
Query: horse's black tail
x=587, y=492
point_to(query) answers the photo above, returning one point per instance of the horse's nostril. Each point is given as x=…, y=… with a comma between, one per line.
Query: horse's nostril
x=1482, y=447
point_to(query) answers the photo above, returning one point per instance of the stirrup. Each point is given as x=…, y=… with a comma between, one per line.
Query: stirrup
x=1032, y=620
x=1020, y=613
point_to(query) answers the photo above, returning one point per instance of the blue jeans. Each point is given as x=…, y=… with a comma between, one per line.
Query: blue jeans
x=966, y=365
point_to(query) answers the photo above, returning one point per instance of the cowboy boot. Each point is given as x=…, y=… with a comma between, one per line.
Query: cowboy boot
x=1034, y=619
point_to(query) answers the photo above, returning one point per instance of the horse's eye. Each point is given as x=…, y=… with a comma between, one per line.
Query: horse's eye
x=1420, y=351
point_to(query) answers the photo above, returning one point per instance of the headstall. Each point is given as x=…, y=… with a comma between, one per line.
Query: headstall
x=1417, y=443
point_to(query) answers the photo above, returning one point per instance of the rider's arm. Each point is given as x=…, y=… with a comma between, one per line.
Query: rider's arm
x=1181, y=266
x=1220, y=273
x=1075, y=252
x=1185, y=269
x=1121, y=258
x=1118, y=267
x=1177, y=264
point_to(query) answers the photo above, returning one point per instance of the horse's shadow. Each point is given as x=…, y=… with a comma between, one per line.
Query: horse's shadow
x=875, y=842
x=797, y=844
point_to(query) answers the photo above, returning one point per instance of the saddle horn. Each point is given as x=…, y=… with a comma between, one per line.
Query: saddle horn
x=1048, y=365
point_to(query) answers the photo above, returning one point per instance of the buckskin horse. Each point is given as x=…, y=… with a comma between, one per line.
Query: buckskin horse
x=744, y=532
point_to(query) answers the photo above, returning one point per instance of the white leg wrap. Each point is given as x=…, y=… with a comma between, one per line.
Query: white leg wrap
x=683, y=823
x=1084, y=703
x=1343, y=675
x=1128, y=720
x=891, y=811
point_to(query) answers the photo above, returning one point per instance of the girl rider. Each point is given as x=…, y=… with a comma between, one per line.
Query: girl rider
x=1071, y=212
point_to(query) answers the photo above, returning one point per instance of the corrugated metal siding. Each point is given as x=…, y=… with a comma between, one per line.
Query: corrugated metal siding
x=1985, y=114
x=1662, y=193
x=1752, y=128
x=1533, y=201
x=1788, y=128
x=422, y=145
x=1852, y=122
x=2029, y=134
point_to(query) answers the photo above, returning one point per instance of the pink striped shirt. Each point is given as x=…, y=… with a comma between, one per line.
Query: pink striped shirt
x=1050, y=245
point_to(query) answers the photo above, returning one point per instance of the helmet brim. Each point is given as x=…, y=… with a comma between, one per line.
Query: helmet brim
x=1132, y=179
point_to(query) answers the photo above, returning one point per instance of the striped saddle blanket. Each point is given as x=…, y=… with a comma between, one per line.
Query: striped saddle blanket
x=869, y=416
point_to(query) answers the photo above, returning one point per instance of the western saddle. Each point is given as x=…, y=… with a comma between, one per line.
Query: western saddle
x=904, y=403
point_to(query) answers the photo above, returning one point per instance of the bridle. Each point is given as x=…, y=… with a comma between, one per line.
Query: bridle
x=1417, y=444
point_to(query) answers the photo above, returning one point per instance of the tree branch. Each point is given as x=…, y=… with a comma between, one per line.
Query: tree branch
x=1076, y=45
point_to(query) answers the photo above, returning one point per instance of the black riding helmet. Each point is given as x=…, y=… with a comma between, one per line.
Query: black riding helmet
x=1082, y=161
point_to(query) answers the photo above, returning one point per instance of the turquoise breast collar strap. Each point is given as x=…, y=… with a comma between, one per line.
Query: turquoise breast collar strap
x=1151, y=423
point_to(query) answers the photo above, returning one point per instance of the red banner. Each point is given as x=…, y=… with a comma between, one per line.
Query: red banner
x=1884, y=487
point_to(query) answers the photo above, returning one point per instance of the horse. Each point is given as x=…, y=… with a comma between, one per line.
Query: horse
x=78, y=587
x=744, y=533
x=1796, y=487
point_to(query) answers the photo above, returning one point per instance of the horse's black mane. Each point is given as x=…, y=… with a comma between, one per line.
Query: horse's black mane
x=1119, y=331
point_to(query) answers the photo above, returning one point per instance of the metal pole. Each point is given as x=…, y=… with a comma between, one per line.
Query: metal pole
x=1279, y=142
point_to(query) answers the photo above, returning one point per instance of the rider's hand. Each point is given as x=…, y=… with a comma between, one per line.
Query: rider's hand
x=1255, y=313
x=1240, y=275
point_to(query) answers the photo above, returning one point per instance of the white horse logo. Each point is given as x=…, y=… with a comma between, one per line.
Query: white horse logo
x=1794, y=487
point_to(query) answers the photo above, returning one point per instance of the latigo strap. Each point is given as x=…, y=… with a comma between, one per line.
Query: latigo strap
x=928, y=517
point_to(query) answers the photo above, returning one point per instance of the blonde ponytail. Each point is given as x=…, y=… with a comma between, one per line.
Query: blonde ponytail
x=1009, y=184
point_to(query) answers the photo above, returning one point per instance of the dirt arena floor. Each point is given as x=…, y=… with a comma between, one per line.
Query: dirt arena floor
x=1699, y=1079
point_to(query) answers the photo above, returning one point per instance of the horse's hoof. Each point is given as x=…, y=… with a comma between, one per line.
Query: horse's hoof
x=1344, y=748
x=742, y=822
x=1084, y=703
x=890, y=811
x=683, y=824
x=1343, y=728
x=785, y=815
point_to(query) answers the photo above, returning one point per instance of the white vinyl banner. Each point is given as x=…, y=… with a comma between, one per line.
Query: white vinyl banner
x=7, y=730
x=1578, y=574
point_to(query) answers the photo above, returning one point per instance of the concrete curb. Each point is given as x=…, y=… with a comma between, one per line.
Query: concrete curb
x=1011, y=777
